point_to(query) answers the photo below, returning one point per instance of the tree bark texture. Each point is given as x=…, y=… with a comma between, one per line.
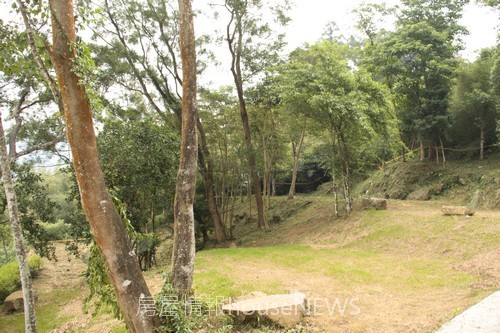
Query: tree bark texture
x=17, y=235
x=184, y=238
x=106, y=225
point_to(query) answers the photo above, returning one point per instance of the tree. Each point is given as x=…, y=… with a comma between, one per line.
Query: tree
x=219, y=111
x=107, y=228
x=418, y=62
x=344, y=102
x=17, y=234
x=253, y=48
x=474, y=103
x=146, y=35
x=184, y=239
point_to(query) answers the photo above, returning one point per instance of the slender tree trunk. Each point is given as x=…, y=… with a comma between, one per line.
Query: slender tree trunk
x=107, y=228
x=347, y=189
x=436, y=151
x=249, y=194
x=422, y=151
x=265, y=180
x=17, y=234
x=481, y=144
x=236, y=48
x=334, y=183
x=296, y=149
x=443, y=155
x=206, y=167
x=153, y=219
x=184, y=238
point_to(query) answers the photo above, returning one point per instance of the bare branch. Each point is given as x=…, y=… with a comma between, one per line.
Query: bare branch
x=42, y=146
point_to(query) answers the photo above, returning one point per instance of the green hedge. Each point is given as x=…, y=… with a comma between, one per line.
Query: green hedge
x=9, y=276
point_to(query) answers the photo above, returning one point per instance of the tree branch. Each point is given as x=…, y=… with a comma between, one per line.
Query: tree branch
x=38, y=59
x=39, y=147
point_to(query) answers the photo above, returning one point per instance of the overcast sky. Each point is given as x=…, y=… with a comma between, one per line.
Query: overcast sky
x=310, y=17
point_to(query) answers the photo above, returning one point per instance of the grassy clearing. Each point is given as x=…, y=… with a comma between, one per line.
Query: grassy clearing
x=347, y=267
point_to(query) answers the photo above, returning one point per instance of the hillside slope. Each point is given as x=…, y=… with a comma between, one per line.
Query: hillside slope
x=409, y=267
x=460, y=182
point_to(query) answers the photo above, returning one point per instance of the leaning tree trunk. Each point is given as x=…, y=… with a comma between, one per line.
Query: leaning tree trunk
x=106, y=225
x=296, y=149
x=17, y=235
x=184, y=238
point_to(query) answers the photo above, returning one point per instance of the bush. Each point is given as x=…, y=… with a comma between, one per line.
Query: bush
x=57, y=231
x=9, y=276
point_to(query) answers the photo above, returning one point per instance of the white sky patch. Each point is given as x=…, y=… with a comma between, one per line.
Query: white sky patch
x=310, y=17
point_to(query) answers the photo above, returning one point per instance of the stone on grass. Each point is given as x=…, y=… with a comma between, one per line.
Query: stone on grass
x=457, y=210
x=374, y=203
x=284, y=309
x=13, y=302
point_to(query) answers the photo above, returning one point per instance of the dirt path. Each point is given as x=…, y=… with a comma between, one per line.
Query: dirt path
x=67, y=274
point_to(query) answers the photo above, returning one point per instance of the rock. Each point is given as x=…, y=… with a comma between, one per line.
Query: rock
x=457, y=210
x=475, y=199
x=378, y=204
x=284, y=309
x=13, y=302
x=422, y=194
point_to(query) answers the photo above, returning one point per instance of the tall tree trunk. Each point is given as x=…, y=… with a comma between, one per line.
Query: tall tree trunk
x=206, y=168
x=334, y=183
x=296, y=149
x=481, y=144
x=184, y=238
x=436, y=151
x=265, y=180
x=273, y=185
x=107, y=228
x=17, y=235
x=422, y=151
x=235, y=47
x=249, y=194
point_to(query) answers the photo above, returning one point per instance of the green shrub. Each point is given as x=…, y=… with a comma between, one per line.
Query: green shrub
x=9, y=276
x=57, y=231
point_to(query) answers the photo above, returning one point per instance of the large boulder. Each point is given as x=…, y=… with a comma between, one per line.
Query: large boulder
x=457, y=210
x=13, y=302
x=374, y=203
x=284, y=309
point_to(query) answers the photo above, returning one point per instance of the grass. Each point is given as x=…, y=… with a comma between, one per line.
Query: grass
x=47, y=311
x=347, y=267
